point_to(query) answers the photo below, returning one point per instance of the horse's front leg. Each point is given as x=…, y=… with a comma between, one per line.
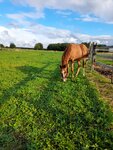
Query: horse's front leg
x=68, y=70
x=84, y=62
x=78, y=69
x=72, y=68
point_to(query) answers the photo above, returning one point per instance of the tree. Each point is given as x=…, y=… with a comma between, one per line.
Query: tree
x=101, y=45
x=57, y=46
x=12, y=45
x=86, y=43
x=38, y=46
x=1, y=46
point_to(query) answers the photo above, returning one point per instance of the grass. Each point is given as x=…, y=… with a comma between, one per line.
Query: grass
x=39, y=111
x=104, y=61
x=106, y=58
x=103, y=85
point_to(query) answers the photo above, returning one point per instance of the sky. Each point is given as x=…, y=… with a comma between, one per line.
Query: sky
x=27, y=22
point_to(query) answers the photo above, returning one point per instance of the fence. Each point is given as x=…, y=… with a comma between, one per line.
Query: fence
x=94, y=61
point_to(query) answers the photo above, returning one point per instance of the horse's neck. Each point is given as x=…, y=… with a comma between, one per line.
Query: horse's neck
x=65, y=60
x=66, y=56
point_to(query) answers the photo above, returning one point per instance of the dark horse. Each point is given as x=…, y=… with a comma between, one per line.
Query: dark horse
x=73, y=52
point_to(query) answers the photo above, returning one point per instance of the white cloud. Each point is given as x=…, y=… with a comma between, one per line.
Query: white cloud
x=26, y=33
x=88, y=18
x=100, y=39
x=64, y=13
x=46, y=35
x=102, y=9
x=22, y=18
x=38, y=33
x=33, y=15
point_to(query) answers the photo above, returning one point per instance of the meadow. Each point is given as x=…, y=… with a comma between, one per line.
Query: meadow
x=105, y=58
x=39, y=111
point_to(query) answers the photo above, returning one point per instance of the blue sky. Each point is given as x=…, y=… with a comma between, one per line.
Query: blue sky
x=26, y=22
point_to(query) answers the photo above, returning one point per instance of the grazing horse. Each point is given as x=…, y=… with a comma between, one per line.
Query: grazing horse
x=73, y=52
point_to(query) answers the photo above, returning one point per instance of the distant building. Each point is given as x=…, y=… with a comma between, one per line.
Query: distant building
x=104, y=49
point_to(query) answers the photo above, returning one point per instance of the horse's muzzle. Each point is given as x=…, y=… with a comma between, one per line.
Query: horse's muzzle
x=64, y=79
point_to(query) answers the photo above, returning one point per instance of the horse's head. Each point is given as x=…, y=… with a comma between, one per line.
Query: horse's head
x=64, y=72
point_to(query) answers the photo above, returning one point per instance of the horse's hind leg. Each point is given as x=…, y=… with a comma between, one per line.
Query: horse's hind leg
x=79, y=65
x=84, y=65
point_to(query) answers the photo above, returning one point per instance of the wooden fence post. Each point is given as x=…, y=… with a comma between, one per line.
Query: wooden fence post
x=92, y=55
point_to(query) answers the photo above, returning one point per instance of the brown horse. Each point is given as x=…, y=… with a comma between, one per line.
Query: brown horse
x=73, y=52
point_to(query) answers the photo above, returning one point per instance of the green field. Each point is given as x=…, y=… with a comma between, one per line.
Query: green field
x=105, y=58
x=104, y=61
x=40, y=112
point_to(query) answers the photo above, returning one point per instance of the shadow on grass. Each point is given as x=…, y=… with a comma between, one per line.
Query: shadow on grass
x=32, y=73
x=67, y=115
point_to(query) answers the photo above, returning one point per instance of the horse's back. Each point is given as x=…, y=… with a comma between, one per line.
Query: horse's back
x=76, y=51
x=84, y=50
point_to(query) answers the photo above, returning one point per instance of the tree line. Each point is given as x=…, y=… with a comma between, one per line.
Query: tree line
x=52, y=46
x=39, y=46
